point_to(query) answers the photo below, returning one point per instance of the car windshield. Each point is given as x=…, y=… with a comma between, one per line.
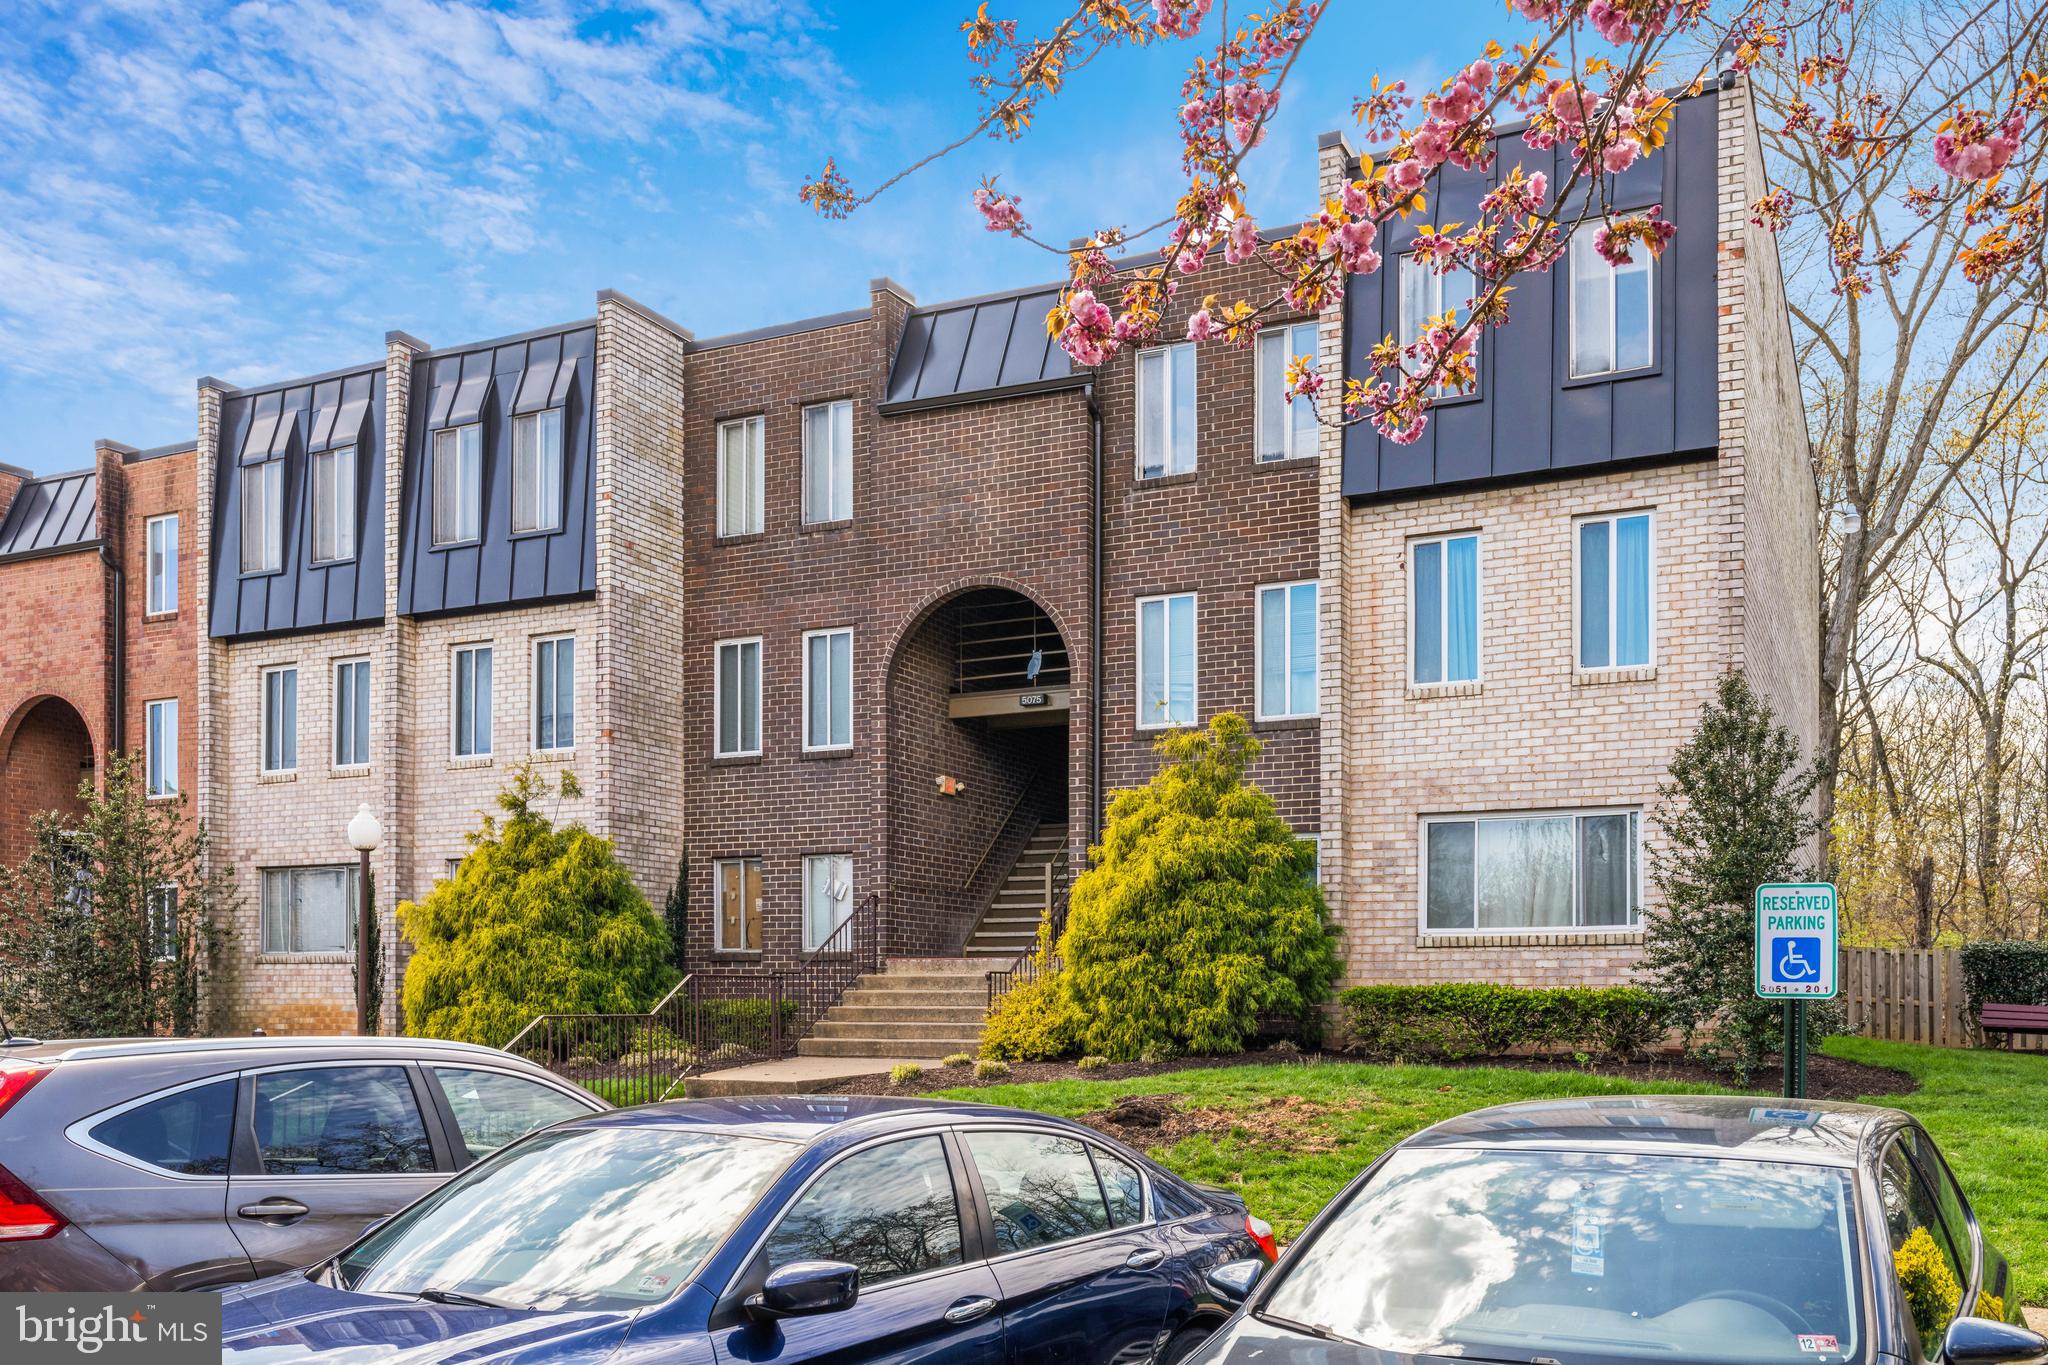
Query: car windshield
x=596, y=1218
x=1575, y=1257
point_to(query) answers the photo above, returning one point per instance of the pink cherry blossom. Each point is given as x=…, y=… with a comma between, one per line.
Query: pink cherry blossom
x=1242, y=243
x=1202, y=326
x=1180, y=18
x=1431, y=145
x=1000, y=211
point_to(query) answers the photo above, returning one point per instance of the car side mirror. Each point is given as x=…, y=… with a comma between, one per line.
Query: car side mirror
x=1981, y=1341
x=805, y=1289
x=1233, y=1281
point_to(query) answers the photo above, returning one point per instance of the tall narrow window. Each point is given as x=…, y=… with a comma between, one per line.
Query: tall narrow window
x=352, y=713
x=1166, y=411
x=162, y=908
x=160, y=756
x=1166, y=661
x=537, y=471
x=740, y=475
x=828, y=462
x=828, y=689
x=1443, y=610
x=1612, y=309
x=554, y=694
x=1426, y=294
x=1287, y=430
x=738, y=926
x=263, y=517
x=736, y=688
x=458, y=484
x=828, y=897
x=163, y=565
x=472, y=701
x=334, y=504
x=1616, y=618
x=1287, y=633
x=280, y=720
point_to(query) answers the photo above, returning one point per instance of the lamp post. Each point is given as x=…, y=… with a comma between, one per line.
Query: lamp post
x=365, y=833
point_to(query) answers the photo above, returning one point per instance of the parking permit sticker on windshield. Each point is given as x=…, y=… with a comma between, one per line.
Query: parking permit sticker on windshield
x=1818, y=1345
x=1588, y=1258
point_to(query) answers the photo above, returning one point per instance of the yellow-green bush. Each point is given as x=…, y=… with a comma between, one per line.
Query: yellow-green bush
x=1931, y=1289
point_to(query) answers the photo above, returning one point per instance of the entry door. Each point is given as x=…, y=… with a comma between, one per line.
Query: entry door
x=323, y=1152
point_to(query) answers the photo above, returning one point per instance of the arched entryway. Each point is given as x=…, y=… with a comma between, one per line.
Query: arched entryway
x=980, y=758
x=46, y=751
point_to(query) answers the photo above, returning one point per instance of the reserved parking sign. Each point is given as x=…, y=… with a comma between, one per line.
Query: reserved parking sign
x=1798, y=941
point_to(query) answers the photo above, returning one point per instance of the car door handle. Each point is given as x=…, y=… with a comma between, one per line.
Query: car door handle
x=967, y=1310
x=275, y=1207
x=1144, y=1258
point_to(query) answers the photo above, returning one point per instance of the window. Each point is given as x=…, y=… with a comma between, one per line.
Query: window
x=472, y=701
x=280, y=720
x=737, y=699
x=537, y=471
x=334, y=504
x=1615, y=575
x=163, y=565
x=1315, y=857
x=1287, y=651
x=828, y=896
x=828, y=462
x=740, y=476
x=309, y=909
x=1426, y=294
x=1443, y=609
x=828, y=689
x=451, y=868
x=160, y=747
x=1611, y=310
x=458, y=484
x=888, y=1210
x=162, y=909
x=738, y=926
x=352, y=713
x=1919, y=1239
x=1041, y=1188
x=554, y=694
x=185, y=1132
x=1166, y=411
x=263, y=517
x=1124, y=1186
x=1166, y=661
x=492, y=1108
x=340, y=1120
x=1287, y=431
x=1572, y=870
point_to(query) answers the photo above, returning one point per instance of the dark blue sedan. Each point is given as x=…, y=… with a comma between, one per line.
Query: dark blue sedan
x=805, y=1229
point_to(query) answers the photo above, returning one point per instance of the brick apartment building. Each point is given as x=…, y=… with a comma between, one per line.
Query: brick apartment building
x=883, y=603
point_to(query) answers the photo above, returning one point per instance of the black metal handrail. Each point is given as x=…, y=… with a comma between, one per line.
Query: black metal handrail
x=1044, y=958
x=853, y=949
x=1009, y=819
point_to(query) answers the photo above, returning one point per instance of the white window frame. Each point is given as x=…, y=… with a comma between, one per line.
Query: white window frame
x=749, y=519
x=1411, y=328
x=343, y=701
x=549, y=642
x=267, y=478
x=160, y=563
x=489, y=700
x=718, y=649
x=162, y=898
x=812, y=860
x=1579, y=581
x=1284, y=334
x=718, y=867
x=838, y=465
x=469, y=477
x=1166, y=468
x=811, y=746
x=545, y=495
x=335, y=514
x=1642, y=262
x=1138, y=655
x=351, y=892
x=270, y=721
x=1260, y=710
x=1443, y=605
x=160, y=765
x=1575, y=813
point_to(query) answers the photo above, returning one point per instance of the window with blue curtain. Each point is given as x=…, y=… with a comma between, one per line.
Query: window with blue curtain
x=1287, y=651
x=1614, y=591
x=1166, y=660
x=1444, y=607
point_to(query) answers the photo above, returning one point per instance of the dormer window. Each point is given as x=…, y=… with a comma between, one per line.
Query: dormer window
x=1613, y=308
x=263, y=517
x=334, y=504
x=537, y=471
x=458, y=483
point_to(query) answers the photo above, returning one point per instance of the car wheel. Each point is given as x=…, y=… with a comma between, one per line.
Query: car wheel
x=1184, y=1343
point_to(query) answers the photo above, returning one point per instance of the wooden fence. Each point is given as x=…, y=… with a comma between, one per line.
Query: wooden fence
x=1912, y=995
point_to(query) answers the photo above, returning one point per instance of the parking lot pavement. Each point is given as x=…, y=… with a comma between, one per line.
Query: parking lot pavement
x=2037, y=1318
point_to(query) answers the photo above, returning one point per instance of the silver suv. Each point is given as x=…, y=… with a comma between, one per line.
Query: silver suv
x=194, y=1162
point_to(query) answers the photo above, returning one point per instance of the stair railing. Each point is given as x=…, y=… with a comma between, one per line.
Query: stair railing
x=1043, y=958
x=852, y=950
x=1001, y=830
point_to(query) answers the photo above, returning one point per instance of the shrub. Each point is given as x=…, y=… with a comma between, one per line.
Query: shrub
x=1035, y=1021
x=1457, y=1020
x=2000, y=973
x=903, y=1073
x=988, y=1069
x=536, y=920
x=958, y=1059
x=745, y=1021
x=1931, y=1290
x=1092, y=1063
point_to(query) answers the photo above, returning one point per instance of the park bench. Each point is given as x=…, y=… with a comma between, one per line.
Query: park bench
x=2013, y=1020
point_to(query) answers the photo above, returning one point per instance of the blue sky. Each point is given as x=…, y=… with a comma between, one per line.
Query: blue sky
x=262, y=189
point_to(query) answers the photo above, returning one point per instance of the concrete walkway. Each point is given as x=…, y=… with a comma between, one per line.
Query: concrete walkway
x=792, y=1075
x=2037, y=1318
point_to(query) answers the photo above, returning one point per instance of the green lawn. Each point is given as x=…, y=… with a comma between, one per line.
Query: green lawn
x=1988, y=1111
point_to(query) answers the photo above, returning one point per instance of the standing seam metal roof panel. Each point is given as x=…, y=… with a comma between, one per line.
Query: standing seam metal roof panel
x=54, y=513
x=957, y=352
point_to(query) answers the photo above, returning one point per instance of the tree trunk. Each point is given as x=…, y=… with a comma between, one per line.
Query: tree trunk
x=1923, y=903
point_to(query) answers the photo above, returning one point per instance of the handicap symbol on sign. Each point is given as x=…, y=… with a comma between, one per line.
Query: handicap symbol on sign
x=1798, y=959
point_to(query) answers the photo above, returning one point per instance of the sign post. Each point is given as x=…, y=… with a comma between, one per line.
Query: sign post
x=1798, y=947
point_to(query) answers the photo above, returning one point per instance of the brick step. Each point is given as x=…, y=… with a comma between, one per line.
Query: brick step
x=969, y=1015
x=884, y=1047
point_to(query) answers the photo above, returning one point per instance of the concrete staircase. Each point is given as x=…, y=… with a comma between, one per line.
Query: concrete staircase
x=1009, y=927
x=915, y=1007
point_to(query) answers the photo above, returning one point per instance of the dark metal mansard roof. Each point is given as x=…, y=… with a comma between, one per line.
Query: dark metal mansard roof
x=48, y=515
